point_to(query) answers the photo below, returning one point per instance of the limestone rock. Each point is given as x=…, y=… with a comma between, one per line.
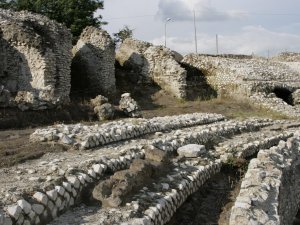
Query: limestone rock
x=191, y=150
x=99, y=100
x=105, y=111
x=129, y=106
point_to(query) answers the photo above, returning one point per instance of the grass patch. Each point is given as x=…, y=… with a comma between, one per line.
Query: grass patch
x=229, y=107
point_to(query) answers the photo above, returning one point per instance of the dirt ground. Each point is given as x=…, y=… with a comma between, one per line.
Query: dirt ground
x=15, y=147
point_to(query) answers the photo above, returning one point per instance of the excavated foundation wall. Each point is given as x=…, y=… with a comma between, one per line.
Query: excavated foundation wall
x=35, y=59
x=153, y=64
x=270, y=190
x=93, y=65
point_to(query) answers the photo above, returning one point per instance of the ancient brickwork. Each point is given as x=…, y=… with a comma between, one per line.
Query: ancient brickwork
x=154, y=63
x=93, y=65
x=35, y=59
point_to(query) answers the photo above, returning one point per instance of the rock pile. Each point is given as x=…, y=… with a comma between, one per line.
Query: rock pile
x=35, y=59
x=125, y=183
x=129, y=106
x=103, y=109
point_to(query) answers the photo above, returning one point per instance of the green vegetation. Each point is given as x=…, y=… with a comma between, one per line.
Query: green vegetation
x=124, y=33
x=75, y=14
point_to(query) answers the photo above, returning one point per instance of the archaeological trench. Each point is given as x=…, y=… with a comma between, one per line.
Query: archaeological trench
x=199, y=168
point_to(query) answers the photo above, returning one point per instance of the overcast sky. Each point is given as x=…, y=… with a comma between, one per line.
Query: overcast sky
x=243, y=26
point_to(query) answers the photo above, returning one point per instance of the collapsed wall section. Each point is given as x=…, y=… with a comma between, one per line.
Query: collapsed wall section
x=93, y=65
x=35, y=59
x=153, y=64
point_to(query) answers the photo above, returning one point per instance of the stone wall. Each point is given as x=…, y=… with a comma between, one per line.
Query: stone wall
x=35, y=59
x=153, y=63
x=287, y=57
x=252, y=78
x=93, y=65
x=269, y=192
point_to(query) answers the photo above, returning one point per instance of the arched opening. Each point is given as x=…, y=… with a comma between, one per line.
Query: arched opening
x=284, y=94
x=197, y=85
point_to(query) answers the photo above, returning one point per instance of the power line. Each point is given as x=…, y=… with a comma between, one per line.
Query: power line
x=182, y=14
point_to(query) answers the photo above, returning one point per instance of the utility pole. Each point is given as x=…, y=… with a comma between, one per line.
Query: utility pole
x=167, y=20
x=217, y=44
x=195, y=31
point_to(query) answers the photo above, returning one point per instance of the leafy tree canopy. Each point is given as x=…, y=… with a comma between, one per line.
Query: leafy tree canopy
x=75, y=14
x=124, y=33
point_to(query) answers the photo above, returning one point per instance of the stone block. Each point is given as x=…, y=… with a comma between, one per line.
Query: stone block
x=191, y=150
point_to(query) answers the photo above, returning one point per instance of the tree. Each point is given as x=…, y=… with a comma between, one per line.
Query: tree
x=75, y=14
x=124, y=33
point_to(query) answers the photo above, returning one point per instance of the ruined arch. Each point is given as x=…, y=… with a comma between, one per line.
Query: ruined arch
x=285, y=94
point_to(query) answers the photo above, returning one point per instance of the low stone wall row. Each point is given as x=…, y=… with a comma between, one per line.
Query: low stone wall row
x=53, y=200
x=269, y=192
x=209, y=134
x=162, y=208
x=47, y=204
x=85, y=137
x=244, y=150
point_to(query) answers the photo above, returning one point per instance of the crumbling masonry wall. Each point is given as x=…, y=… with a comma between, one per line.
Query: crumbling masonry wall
x=270, y=190
x=35, y=59
x=153, y=63
x=93, y=65
x=256, y=79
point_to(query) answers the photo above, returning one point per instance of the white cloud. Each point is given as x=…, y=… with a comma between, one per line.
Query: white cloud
x=182, y=10
x=251, y=39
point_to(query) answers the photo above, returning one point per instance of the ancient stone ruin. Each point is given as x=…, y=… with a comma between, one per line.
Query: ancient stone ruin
x=151, y=63
x=35, y=60
x=270, y=83
x=93, y=65
x=148, y=178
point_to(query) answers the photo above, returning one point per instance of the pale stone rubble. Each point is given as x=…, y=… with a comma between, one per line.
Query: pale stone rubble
x=35, y=60
x=154, y=64
x=103, y=109
x=129, y=106
x=93, y=65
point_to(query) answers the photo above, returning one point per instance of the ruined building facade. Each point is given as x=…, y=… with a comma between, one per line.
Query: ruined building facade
x=34, y=59
x=153, y=64
x=93, y=65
